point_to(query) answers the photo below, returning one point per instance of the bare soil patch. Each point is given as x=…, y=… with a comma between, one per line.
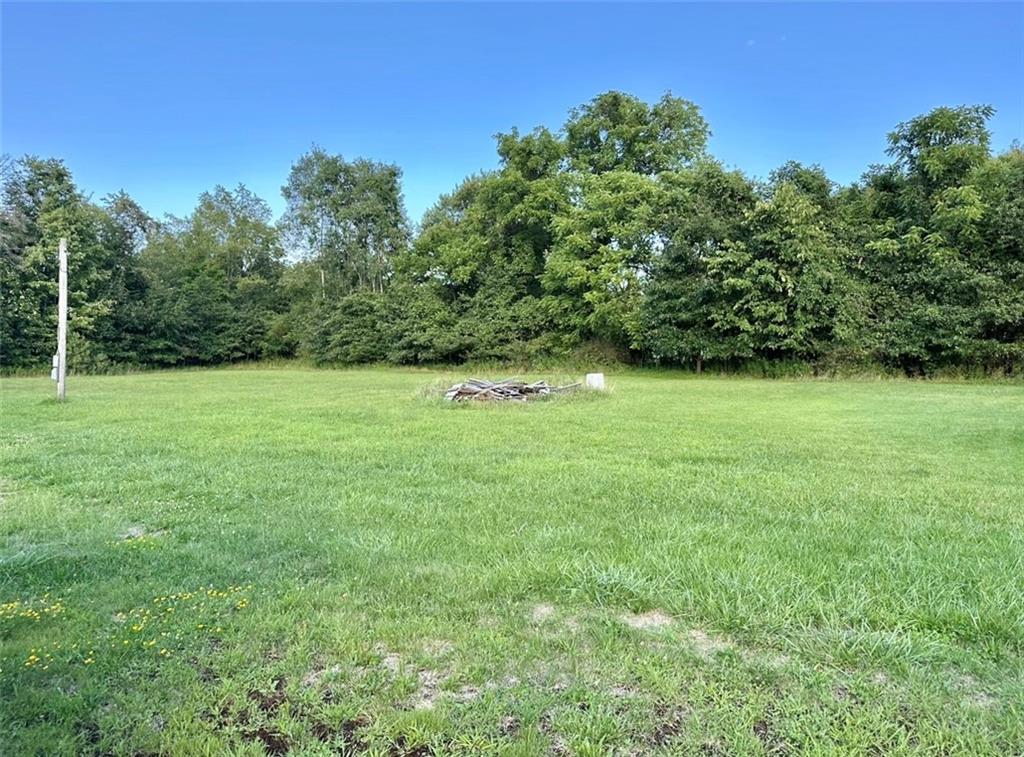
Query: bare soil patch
x=647, y=621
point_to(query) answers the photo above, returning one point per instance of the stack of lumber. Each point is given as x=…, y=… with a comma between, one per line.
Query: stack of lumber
x=508, y=390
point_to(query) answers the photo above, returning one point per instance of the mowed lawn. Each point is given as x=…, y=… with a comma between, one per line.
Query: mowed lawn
x=249, y=561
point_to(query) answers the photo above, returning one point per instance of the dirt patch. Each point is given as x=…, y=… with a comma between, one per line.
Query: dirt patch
x=772, y=742
x=981, y=700
x=556, y=744
x=648, y=621
x=974, y=695
x=670, y=722
x=401, y=746
x=252, y=719
x=138, y=532
x=428, y=681
x=269, y=700
x=843, y=694
x=429, y=690
x=542, y=612
x=348, y=731
x=769, y=740
x=392, y=663
x=707, y=644
x=312, y=678
x=274, y=742
x=466, y=694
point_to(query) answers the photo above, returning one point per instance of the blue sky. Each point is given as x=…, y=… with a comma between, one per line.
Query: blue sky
x=167, y=100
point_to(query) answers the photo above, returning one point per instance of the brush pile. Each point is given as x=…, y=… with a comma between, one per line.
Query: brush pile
x=509, y=390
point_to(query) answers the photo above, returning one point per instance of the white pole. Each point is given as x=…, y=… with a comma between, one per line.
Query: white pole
x=62, y=320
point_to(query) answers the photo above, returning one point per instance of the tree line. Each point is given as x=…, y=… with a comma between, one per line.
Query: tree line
x=617, y=236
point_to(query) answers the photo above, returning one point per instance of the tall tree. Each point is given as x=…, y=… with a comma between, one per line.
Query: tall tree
x=214, y=281
x=942, y=147
x=705, y=210
x=603, y=249
x=779, y=288
x=349, y=216
x=922, y=260
x=621, y=155
x=619, y=132
x=617, y=231
x=40, y=206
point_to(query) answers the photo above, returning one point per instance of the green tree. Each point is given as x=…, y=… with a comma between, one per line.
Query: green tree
x=348, y=216
x=704, y=211
x=779, y=289
x=482, y=250
x=213, y=281
x=617, y=232
x=603, y=248
x=41, y=205
x=941, y=148
x=927, y=268
x=619, y=132
x=1000, y=245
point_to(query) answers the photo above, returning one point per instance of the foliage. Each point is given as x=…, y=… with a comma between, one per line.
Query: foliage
x=348, y=216
x=617, y=234
x=214, y=281
x=705, y=210
x=41, y=205
x=619, y=132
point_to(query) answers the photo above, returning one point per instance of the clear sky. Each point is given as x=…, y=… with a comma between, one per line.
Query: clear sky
x=167, y=100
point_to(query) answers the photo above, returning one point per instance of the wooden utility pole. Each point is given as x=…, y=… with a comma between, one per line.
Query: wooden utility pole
x=62, y=320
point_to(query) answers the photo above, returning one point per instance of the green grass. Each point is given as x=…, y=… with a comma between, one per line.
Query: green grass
x=329, y=562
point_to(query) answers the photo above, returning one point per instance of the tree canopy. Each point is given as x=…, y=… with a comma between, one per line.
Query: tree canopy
x=616, y=232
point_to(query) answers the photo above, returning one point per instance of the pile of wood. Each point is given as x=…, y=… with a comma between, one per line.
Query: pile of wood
x=510, y=390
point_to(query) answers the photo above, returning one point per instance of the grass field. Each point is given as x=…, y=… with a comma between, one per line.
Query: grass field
x=254, y=560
